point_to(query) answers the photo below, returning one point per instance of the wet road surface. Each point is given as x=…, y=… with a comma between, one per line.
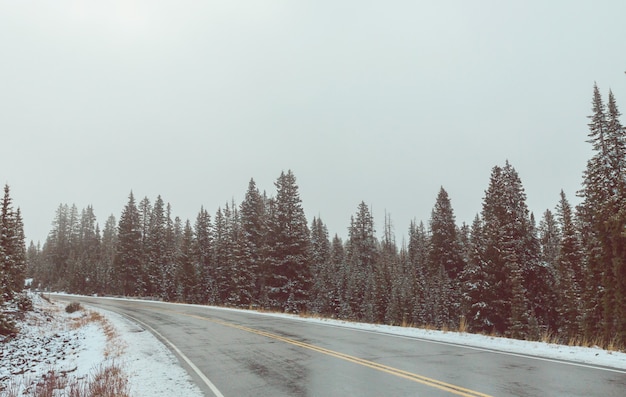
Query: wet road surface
x=240, y=353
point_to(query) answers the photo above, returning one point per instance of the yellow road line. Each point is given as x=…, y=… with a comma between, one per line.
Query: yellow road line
x=458, y=390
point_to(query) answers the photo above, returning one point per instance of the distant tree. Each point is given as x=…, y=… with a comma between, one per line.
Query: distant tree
x=188, y=287
x=108, y=252
x=127, y=265
x=361, y=258
x=221, y=252
x=203, y=257
x=338, y=269
x=418, y=251
x=322, y=287
x=158, y=250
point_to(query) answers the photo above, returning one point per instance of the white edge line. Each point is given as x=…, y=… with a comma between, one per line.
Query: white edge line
x=206, y=380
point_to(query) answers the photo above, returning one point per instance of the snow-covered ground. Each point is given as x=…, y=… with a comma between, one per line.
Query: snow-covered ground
x=49, y=341
x=75, y=348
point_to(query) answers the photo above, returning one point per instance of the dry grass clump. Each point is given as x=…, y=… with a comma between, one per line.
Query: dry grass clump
x=105, y=381
x=73, y=307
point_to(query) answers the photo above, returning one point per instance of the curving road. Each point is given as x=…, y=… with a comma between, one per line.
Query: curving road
x=232, y=353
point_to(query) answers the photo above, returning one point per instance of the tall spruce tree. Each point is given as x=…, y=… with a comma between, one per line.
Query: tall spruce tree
x=602, y=215
x=12, y=248
x=361, y=258
x=321, y=296
x=568, y=266
x=108, y=252
x=253, y=232
x=157, y=250
x=506, y=229
x=445, y=263
x=128, y=266
x=418, y=251
x=476, y=282
x=188, y=287
x=203, y=257
x=288, y=278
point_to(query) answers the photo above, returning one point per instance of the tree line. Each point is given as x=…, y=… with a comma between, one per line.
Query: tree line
x=504, y=273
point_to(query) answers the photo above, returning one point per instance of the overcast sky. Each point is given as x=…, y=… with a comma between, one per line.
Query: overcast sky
x=381, y=102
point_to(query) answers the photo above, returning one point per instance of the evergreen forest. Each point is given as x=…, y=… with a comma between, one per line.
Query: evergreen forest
x=561, y=274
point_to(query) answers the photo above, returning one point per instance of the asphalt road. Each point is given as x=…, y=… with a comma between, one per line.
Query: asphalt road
x=232, y=353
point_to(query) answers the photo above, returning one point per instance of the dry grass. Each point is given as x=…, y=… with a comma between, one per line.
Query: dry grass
x=106, y=381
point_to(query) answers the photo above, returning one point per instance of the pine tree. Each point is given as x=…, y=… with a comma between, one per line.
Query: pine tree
x=220, y=259
x=418, y=251
x=340, y=307
x=321, y=296
x=288, y=279
x=253, y=232
x=203, y=258
x=616, y=223
x=157, y=250
x=568, y=265
x=602, y=215
x=361, y=258
x=12, y=249
x=507, y=232
x=476, y=282
x=128, y=266
x=108, y=252
x=187, y=271
x=445, y=263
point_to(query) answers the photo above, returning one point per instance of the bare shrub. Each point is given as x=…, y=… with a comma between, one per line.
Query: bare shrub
x=73, y=307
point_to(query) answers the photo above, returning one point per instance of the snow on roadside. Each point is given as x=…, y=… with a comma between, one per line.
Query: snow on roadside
x=152, y=368
x=50, y=340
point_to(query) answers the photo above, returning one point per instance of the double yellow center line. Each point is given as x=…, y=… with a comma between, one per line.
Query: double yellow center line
x=458, y=390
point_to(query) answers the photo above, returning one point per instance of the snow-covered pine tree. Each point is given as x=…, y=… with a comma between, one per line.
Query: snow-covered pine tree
x=616, y=224
x=361, y=258
x=221, y=247
x=108, y=250
x=156, y=249
x=340, y=306
x=419, y=243
x=289, y=277
x=476, y=282
x=444, y=263
x=187, y=275
x=12, y=248
x=592, y=214
x=128, y=266
x=169, y=268
x=320, y=297
x=568, y=266
x=203, y=258
x=506, y=234
x=145, y=217
x=602, y=216
x=252, y=214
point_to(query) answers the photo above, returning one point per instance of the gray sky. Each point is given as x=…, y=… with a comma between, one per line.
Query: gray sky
x=382, y=102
